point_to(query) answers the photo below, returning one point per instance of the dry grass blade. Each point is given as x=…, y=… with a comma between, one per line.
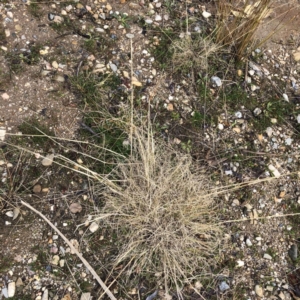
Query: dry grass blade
x=162, y=212
x=238, y=22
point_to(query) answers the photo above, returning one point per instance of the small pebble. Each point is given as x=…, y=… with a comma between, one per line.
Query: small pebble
x=240, y=263
x=216, y=81
x=257, y=111
x=55, y=260
x=11, y=289
x=267, y=256
x=93, y=227
x=259, y=291
x=285, y=97
x=158, y=18
x=248, y=243
x=45, y=295
x=59, y=78
x=48, y=160
x=130, y=35
x=75, y=208
x=113, y=67
x=5, y=96
x=85, y=296
x=37, y=188
x=223, y=286
x=274, y=171
x=206, y=14
x=55, y=64
x=148, y=21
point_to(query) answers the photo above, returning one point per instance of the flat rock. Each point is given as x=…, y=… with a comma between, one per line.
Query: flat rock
x=55, y=64
x=59, y=78
x=93, y=227
x=5, y=96
x=206, y=14
x=224, y=286
x=19, y=282
x=18, y=27
x=45, y=295
x=267, y=256
x=113, y=67
x=2, y=134
x=274, y=171
x=216, y=81
x=259, y=291
x=86, y=296
x=37, y=188
x=55, y=260
x=75, y=208
x=296, y=56
x=48, y=160
x=11, y=289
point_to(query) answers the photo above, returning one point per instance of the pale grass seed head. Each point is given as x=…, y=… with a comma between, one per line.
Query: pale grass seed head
x=162, y=212
x=191, y=52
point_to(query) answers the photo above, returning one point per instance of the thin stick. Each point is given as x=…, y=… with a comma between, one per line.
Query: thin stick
x=258, y=218
x=131, y=96
x=88, y=266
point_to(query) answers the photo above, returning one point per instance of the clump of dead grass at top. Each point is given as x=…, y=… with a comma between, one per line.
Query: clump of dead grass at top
x=162, y=212
x=237, y=22
x=192, y=52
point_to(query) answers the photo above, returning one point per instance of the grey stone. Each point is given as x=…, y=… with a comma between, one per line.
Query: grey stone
x=130, y=35
x=257, y=111
x=224, y=286
x=113, y=67
x=216, y=81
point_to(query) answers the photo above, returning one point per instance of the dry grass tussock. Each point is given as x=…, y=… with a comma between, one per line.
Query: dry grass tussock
x=238, y=21
x=160, y=209
x=189, y=52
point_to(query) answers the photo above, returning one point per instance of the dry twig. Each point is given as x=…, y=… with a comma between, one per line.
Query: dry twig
x=84, y=261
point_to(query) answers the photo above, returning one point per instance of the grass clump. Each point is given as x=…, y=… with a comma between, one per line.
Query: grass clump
x=190, y=53
x=163, y=212
x=237, y=23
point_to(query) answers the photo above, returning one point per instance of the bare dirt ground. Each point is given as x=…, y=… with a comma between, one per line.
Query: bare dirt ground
x=39, y=59
x=282, y=24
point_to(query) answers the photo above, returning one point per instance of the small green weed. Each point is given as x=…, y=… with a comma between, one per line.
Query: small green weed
x=273, y=109
x=22, y=297
x=5, y=263
x=2, y=35
x=5, y=79
x=198, y=119
x=123, y=19
x=17, y=59
x=37, y=132
x=186, y=146
x=64, y=26
x=86, y=286
x=35, y=9
x=234, y=97
x=14, y=61
x=91, y=45
x=161, y=49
